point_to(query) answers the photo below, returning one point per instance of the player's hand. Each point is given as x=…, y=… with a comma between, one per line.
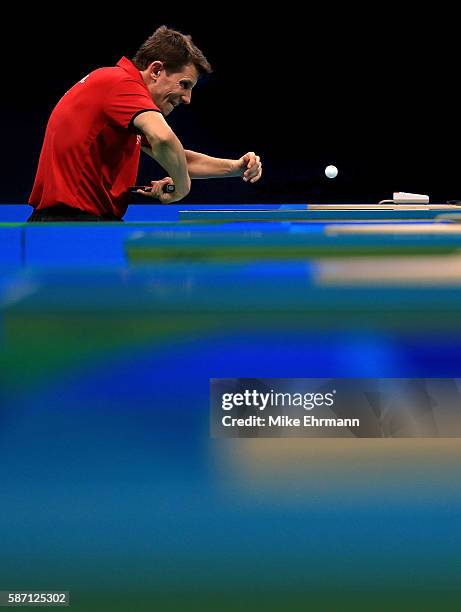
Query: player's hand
x=156, y=191
x=250, y=167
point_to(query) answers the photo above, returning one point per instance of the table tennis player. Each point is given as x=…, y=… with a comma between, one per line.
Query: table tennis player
x=95, y=134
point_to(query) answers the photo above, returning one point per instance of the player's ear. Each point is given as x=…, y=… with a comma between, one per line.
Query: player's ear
x=155, y=69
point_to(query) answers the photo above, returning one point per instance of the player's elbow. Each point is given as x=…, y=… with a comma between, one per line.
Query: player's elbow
x=183, y=189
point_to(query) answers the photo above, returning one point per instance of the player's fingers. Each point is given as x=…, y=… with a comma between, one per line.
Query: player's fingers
x=254, y=170
x=252, y=164
x=257, y=174
x=144, y=192
x=157, y=189
x=255, y=166
x=248, y=159
x=161, y=185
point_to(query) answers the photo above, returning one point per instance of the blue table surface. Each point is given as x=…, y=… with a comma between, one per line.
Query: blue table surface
x=151, y=212
x=72, y=244
x=147, y=212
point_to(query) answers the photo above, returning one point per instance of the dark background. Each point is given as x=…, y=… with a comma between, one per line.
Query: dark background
x=369, y=90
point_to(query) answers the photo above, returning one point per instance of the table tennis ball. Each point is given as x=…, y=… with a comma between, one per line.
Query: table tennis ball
x=331, y=171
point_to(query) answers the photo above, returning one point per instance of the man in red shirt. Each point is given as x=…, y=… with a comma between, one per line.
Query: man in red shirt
x=90, y=154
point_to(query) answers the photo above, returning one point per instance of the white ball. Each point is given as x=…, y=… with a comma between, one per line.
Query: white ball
x=331, y=171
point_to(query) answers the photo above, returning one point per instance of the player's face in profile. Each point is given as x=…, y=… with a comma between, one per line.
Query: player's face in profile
x=174, y=88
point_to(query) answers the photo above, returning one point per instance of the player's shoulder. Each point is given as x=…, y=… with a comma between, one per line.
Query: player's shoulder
x=106, y=76
x=103, y=83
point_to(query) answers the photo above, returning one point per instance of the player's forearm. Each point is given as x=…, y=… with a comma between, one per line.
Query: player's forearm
x=170, y=154
x=201, y=166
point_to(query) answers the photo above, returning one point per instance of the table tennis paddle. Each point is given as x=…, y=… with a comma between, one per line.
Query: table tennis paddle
x=166, y=188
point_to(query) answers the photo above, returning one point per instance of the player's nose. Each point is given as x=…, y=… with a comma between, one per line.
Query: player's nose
x=186, y=98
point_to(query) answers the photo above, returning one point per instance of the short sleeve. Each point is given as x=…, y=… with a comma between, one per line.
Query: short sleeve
x=125, y=100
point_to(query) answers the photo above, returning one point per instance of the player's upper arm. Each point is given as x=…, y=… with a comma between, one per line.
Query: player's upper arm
x=154, y=127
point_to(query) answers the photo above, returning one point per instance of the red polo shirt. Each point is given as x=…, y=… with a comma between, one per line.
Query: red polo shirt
x=90, y=157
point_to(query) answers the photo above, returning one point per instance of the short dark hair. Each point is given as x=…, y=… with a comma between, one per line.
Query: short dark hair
x=172, y=48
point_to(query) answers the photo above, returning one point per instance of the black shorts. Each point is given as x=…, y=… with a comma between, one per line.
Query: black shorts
x=62, y=212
